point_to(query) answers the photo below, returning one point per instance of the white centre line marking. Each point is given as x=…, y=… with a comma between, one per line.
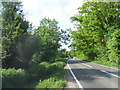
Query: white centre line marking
x=78, y=83
x=111, y=74
x=86, y=65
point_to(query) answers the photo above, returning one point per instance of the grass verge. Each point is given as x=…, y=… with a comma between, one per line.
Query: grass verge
x=106, y=63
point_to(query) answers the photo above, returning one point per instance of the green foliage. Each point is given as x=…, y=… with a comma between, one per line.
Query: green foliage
x=36, y=72
x=53, y=67
x=71, y=53
x=15, y=78
x=54, y=81
x=21, y=49
x=51, y=83
x=14, y=30
x=61, y=59
x=55, y=71
x=40, y=71
x=59, y=65
x=98, y=31
x=63, y=53
x=49, y=35
x=46, y=64
x=12, y=78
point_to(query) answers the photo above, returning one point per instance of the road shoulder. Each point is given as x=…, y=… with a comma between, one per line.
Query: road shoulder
x=69, y=78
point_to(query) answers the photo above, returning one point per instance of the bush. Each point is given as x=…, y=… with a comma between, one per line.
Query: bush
x=51, y=69
x=46, y=64
x=59, y=64
x=54, y=81
x=18, y=78
x=54, y=67
x=56, y=72
x=51, y=83
x=61, y=59
x=12, y=78
x=36, y=72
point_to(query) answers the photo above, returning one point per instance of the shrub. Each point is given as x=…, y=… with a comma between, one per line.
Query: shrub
x=61, y=59
x=12, y=78
x=46, y=83
x=36, y=72
x=59, y=65
x=46, y=64
x=53, y=82
x=54, y=67
x=51, y=69
x=56, y=72
x=59, y=74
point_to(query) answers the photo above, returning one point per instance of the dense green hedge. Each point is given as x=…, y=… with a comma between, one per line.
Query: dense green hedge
x=12, y=78
x=36, y=72
x=61, y=59
x=15, y=78
x=55, y=79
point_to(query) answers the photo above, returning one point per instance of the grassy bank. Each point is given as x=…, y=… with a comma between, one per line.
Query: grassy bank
x=106, y=63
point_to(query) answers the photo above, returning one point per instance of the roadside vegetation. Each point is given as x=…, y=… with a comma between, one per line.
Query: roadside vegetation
x=107, y=63
x=42, y=75
x=97, y=35
x=31, y=59
x=55, y=80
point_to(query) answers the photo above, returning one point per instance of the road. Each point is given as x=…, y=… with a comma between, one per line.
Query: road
x=93, y=76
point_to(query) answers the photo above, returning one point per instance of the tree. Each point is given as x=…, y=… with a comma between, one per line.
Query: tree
x=98, y=30
x=49, y=35
x=14, y=30
x=63, y=53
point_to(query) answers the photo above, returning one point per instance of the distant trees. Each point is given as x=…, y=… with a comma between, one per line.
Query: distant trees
x=98, y=31
x=50, y=36
x=63, y=53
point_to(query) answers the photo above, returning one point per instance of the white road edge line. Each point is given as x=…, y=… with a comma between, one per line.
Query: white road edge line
x=101, y=65
x=86, y=65
x=111, y=74
x=78, y=83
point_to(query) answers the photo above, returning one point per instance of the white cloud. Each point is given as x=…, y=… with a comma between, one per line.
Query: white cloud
x=61, y=10
x=35, y=21
x=31, y=5
x=71, y=8
x=53, y=13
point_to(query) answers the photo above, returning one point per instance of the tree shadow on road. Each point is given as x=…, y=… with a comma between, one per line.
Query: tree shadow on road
x=89, y=75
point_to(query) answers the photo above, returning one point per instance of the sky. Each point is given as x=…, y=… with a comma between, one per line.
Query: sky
x=60, y=10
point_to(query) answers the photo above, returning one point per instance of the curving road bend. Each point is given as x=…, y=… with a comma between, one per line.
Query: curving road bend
x=91, y=76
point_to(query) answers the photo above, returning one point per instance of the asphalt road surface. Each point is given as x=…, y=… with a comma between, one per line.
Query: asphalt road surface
x=90, y=75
